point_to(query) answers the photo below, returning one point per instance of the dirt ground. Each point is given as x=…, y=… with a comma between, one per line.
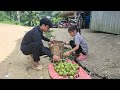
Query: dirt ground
x=103, y=58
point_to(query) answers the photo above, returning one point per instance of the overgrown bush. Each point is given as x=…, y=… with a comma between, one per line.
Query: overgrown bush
x=4, y=16
x=26, y=18
x=55, y=20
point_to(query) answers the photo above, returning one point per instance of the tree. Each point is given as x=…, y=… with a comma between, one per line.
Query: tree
x=18, y=16
x=29, y=18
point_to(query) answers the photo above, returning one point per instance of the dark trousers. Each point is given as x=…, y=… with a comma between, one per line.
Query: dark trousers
x=72, y=44
x=35, y=49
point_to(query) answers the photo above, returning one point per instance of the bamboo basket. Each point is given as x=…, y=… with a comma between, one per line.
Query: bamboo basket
x=57, y=48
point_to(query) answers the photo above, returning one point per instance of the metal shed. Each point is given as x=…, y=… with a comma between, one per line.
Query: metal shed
x=106, y=21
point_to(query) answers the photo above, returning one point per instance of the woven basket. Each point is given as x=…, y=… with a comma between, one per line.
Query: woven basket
x=57, y=48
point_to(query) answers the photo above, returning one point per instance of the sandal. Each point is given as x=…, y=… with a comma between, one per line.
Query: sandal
x=39, y=68
x=81, y=57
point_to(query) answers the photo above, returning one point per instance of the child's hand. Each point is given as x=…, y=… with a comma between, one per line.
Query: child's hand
x=67, y=53
x=66, y=43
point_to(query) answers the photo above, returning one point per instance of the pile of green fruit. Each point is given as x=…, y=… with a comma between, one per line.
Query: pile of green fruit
x=66, y=69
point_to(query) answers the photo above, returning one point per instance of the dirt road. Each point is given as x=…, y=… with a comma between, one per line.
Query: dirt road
x=103, y=58
x=13, y=64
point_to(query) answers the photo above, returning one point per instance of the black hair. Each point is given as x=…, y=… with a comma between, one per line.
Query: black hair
x=73, y=28
x=46, y=21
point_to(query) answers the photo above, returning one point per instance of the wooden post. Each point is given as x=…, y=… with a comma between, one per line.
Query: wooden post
x=18, y=16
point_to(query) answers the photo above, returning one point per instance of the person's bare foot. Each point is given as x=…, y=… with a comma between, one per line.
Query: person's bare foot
x=37, y=66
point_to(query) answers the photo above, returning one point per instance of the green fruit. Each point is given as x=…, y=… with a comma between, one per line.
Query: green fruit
x=59, y=64
x=57, y=70
x=71, y=72
x=68, y=69
x=60, y=61
x=69, y=64
x=65, y=67
x=62, y=66
x=62, y=70
x=65, y=74
x=74, y=68
x=65, y=64
x=58, y=67
x=75, y=71
x=68, y=74
x=77, y=67
x=71, y=77
x=60, y=73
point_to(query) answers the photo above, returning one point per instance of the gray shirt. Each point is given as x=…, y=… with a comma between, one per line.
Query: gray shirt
x=78, y=39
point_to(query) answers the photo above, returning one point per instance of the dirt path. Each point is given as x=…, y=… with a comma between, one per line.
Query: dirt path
x=104, y=53
x=13, y=64
x=103, y=59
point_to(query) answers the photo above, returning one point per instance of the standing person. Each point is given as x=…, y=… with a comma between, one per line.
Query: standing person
x=78, y=44
x=32, y=43
x=87, y=19
x=83, y=22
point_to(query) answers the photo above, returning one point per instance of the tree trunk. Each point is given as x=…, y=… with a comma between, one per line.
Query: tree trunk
x=13, y=16
x=18, y=16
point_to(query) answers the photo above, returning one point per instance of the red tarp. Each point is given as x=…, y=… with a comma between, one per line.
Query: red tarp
x=82, y=73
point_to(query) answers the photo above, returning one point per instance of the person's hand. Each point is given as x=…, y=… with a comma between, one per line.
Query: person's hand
x=52, y=41
x=67, y=53
x=56, y=58
x=66, y=43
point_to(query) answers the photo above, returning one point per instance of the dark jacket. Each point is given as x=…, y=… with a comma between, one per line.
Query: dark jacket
x=35, y=36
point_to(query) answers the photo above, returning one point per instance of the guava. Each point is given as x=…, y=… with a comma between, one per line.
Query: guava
x=60, y=73
x=71, y=77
